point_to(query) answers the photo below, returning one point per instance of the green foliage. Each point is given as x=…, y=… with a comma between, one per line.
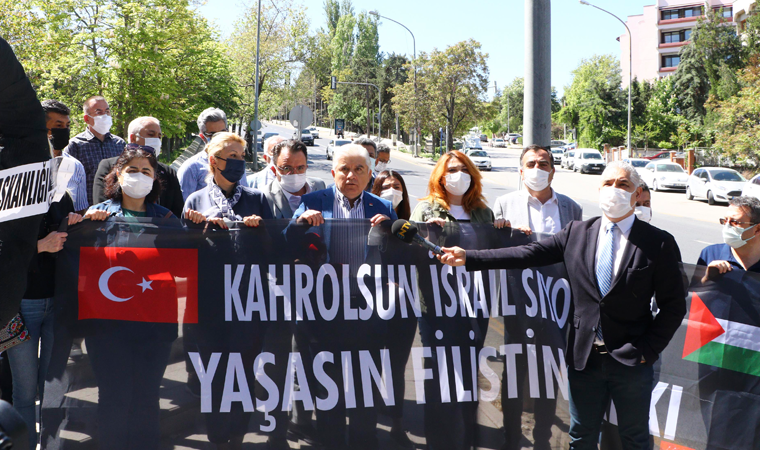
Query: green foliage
x=738, y=119
x=512, y=105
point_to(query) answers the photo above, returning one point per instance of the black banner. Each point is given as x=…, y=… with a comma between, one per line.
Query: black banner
x=177, y=337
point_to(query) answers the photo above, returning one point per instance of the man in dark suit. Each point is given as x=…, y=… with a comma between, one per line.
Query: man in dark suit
x=290, y=160
x=347, y=247
x=615, y=264
x=145, y=131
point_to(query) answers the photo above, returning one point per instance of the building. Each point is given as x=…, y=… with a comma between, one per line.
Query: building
x=663, y=28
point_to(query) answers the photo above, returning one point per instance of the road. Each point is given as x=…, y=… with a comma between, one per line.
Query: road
x=694, y=224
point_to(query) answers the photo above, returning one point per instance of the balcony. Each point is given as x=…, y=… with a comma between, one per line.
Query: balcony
x=673, y=44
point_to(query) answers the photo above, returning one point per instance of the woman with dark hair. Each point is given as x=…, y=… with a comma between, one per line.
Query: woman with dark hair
x=391, y=186
x=129, y=358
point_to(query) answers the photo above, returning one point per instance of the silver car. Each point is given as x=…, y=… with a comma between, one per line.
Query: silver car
x=481, y=159
x=752, y=188
x=334, y=143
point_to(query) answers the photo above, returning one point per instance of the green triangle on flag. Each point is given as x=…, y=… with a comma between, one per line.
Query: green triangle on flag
x=702, y=327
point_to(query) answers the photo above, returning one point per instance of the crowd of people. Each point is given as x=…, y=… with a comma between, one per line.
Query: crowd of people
x=613, y=343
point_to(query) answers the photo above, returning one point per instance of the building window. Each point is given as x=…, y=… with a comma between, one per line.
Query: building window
x=728, y=12
x=671, y=37
x=670, y=61
x=682, y=13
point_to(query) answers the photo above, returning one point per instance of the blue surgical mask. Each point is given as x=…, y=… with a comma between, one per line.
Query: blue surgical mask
x=234, y=170
x=732, y=236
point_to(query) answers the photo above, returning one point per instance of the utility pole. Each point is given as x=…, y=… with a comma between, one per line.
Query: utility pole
x=256, y=97
x=537, y=110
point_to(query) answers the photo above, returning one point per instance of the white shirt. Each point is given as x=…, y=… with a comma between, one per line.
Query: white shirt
x=295, y=200
x=622, y=231
x=544, y=217
x=458, y=212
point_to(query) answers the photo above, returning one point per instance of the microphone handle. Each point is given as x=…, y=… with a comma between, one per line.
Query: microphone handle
x=419, y=240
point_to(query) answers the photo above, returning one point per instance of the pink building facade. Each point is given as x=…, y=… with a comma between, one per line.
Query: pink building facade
x=663, y=29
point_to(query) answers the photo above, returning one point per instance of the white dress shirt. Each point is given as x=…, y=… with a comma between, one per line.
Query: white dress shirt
x=544, y=217
x=622, y=231
x=295, y=200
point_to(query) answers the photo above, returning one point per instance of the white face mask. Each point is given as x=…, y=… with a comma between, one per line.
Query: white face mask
x=293, y=183
x=102, y=124
x=536, y=179
x=614, y=202
x=380, y=166
x=392, y=195
x=155, y=143
x=136, y=185
x=458, y=183
x=732, y=236
x=643, y=213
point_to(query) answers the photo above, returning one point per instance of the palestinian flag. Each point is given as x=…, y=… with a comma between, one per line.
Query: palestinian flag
x=720, y=342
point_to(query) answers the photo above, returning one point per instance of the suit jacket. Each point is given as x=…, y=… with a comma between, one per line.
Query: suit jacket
x=650, y=266
x=278, y=201
x=514, y=207
x=171, y=192
x=258, y=180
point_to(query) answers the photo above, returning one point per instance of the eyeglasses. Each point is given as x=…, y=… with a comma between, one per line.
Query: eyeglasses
x=734, y=222
x=145, y=148
x=287, y=170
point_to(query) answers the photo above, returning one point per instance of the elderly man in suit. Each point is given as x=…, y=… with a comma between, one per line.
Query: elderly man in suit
x=289, y=159
x=537, y=208
x=347, y=249
x=615, y=264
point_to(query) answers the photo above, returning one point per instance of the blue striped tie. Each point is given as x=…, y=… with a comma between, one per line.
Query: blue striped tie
x=604, y=268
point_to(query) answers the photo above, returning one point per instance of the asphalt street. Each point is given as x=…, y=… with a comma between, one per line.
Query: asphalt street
x=694, y=224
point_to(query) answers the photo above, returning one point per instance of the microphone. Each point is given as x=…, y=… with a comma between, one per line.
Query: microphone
x=407, y=232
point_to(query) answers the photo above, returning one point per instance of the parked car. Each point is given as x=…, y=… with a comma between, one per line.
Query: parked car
x=512, y=137
x=314, y=132
x=752, y=188
x=567, y=159
x=556, y=144
x=664, y=175
x=481, y=159
x=588, y=160
x=638, y=163
x=483, y=138
x=660, y=155
x=334, y=143
x=499, y=143
x=557, y=155
x=716, y=184
x=306, y=137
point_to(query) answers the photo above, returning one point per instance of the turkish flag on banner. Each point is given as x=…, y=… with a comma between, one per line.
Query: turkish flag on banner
x=138, y=284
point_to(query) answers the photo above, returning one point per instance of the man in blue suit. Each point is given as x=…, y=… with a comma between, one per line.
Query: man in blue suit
x=346, y=246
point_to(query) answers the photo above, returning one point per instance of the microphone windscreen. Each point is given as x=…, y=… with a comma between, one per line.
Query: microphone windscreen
x=404, y=230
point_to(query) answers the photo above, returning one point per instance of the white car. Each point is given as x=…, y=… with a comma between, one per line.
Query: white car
x=557, y=155
x=752, y=188
x=638, y=163
x=314, y=132
x=716, y=184
x=588, y=160
x=567, y=159
x=499, y=143
x=480, y=158
x=333, y=144
x=660, y=175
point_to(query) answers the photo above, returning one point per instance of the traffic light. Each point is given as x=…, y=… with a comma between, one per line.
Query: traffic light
x=333, y=83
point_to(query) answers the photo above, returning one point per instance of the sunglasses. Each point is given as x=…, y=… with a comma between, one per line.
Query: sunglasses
x=733, y=222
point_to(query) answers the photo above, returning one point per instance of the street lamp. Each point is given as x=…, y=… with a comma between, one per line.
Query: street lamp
x=630, y=65
x=414, y=49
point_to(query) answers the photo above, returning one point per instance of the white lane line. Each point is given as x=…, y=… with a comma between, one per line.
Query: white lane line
x=703, y=242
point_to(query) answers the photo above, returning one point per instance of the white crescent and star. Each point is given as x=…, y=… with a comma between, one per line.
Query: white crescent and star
x=103, y=284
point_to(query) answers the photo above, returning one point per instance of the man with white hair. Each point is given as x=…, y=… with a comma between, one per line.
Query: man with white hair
x=146, y=132
x=615, y=264
x=193, y=172
x=346, y=250
x=264, y=177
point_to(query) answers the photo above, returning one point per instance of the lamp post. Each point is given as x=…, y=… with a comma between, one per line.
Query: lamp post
x=256, y=92
x=414, y=49
x=630, y=64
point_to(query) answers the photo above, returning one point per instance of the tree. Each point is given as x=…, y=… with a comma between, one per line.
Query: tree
x=595, y=104
x=512, y=105
x=455, y=81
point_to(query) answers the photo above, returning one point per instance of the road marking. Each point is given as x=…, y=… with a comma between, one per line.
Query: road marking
x=703, y=242
x=496, y=326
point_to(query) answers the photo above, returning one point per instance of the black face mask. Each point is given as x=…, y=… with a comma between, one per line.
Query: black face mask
x=60, y=137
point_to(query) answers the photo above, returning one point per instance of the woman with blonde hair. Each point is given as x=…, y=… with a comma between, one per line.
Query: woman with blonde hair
x=455, y=193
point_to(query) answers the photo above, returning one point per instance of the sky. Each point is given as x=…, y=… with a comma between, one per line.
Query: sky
x=577, y=31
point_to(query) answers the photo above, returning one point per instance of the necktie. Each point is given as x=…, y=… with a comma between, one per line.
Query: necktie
x=604, y=267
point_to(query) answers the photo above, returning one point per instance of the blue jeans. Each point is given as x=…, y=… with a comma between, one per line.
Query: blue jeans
x=27, y=367
x=591, y=389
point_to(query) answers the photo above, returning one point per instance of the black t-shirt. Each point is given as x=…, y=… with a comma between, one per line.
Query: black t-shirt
x=40, y=282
